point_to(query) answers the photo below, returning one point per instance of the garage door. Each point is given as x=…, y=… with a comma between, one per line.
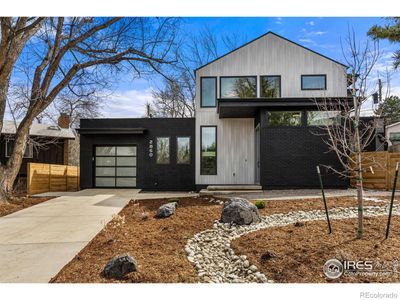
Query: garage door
x=115, y=166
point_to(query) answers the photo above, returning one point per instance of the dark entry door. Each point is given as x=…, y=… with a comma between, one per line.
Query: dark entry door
x=115, y=166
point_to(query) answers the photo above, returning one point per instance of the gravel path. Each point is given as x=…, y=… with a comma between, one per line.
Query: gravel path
x=211, y=253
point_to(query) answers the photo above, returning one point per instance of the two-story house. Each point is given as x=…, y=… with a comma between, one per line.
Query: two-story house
x=256, y=123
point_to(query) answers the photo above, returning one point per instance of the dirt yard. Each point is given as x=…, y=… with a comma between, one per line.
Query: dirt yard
x=20, y=203
x=301, y=252
x=158, y=244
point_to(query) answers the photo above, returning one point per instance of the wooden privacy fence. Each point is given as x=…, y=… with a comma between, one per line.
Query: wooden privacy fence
x=383, y=165
x=51, y=178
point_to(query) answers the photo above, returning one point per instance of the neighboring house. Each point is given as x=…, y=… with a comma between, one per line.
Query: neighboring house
x=393, y=135
x=49, y=143
x=256, y=124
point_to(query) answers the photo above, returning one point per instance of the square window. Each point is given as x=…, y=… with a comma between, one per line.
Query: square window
x=313, y=82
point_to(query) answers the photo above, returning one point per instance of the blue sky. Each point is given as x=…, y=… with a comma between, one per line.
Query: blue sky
x=323, y=35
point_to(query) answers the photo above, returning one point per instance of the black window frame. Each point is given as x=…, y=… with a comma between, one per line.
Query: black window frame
x=190, y=150
x=216, y=149
x=286, y=111
x=28, y=146
x=240, y=76
x=280, y=86
x=201, y=91
x=314, y=89
x=115, y=165
x=169, y=150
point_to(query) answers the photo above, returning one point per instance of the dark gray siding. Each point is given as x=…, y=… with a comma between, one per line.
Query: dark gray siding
x=289, y=156
x=150, y=176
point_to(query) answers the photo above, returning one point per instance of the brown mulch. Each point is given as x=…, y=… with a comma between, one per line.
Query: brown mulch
x=158, y=244
x=301, y=251
x=18, y=203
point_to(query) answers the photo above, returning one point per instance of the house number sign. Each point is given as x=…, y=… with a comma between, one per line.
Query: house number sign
x=150, y=148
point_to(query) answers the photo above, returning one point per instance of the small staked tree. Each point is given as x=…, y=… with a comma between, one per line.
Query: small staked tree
x=67, y=54
x=344, y=132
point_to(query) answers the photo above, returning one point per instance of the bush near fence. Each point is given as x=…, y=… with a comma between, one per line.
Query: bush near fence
x=52, y=178
x=383, y=166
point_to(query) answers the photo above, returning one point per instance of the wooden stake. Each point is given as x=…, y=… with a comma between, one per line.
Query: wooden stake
x=323, y=197
x=391, y=201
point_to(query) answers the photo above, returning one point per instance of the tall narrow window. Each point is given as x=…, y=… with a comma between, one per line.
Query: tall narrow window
x=163, y=150
x=183, y=150
x=208, y=164
x=239, y=87
x=270, y=86
x=208, y=93
x=313, y=82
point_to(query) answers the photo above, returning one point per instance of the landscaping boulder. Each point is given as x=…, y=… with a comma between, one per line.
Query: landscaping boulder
x=166, y=210
x=240, y=211
x=119, y=266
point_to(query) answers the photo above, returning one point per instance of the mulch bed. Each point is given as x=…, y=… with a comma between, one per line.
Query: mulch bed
x=158, y=244
x=301, y=251
x=19, y=203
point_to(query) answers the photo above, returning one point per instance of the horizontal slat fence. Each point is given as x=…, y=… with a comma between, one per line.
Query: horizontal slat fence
x=44, y=178
x=383, y=165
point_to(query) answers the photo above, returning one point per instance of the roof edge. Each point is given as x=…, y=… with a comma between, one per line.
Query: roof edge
x=277, y=35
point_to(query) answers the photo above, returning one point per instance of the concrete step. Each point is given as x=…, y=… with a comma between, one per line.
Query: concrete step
x=243, y=187
x=205, y=192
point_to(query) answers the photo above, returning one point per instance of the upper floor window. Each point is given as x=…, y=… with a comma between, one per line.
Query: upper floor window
x=10, y=147
x=313, y=82
x=208, y=93
x=270, y=86
x=284, y=118
x=238, y=87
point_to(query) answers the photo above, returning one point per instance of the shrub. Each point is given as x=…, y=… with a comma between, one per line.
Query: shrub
x=260, y=204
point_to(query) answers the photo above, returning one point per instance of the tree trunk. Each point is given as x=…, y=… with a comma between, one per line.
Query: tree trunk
x=6, y=186
x=360, y=200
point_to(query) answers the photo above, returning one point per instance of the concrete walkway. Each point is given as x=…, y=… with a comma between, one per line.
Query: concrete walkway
x=36, y=242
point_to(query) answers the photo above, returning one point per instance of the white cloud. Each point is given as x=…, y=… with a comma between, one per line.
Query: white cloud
x=307, y=41
x=311, y=23
x=278, y=21
x=128, y=104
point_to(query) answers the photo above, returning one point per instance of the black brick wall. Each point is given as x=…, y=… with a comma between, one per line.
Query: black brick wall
x=289, y=156
x=150, y=176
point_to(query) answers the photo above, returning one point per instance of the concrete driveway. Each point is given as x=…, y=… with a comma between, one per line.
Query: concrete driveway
x=36, y=242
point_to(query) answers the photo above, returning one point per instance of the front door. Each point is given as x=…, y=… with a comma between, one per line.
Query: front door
x=115, y=166
x=257, y=154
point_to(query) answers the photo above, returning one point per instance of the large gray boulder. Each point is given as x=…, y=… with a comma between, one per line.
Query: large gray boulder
x=119, y=266
x=166, y=210
x=240, y=211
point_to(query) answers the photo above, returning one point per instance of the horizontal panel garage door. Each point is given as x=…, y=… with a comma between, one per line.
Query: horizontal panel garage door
x=115, y=166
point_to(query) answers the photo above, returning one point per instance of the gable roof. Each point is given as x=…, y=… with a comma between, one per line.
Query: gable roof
x=277, y=35
x=392, y=125
x=46, y=130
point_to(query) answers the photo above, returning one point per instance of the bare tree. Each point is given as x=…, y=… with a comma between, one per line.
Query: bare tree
x=176, y=97
x=349, y=136
x=69, y=53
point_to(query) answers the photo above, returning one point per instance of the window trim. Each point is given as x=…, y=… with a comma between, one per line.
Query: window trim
x=241, y=76
x=216, y=149
x=30, y=145
x=201, y=91
x=280, y=86
x=313, y=75
x=190, y=150
x=169, y=150
x=286, y=111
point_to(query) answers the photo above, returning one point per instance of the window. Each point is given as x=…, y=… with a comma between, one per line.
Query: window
x=163, y=150
x=208, y=163
x=208, y=94
x=313, y=82
x=394, y=137
x=183, y=150
x=10, y=146
x=323, y=118
x=284, y=118
x=238, y=87
x=270, y=86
